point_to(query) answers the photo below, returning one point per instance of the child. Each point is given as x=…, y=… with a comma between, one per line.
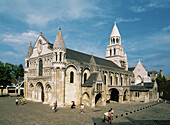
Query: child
x=16, y=101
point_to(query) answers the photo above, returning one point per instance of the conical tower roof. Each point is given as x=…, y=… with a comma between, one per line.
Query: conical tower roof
x=29, y=51
x=115, y=31
x=59, y=41
x=93, y=63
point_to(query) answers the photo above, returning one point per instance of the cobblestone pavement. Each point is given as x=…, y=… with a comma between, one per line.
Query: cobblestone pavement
x=34, y=113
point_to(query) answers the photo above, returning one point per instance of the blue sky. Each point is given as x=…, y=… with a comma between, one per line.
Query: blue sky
x=86, y=25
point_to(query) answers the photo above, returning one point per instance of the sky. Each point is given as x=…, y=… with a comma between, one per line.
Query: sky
x=86, y=25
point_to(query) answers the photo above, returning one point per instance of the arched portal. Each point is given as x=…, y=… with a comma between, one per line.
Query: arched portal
x=48, y=93
x=40, y=91
x=125, y=95
x=86, y=99
x=31, y=91
x=98, y=98
x=114, y=96
x=139, y=79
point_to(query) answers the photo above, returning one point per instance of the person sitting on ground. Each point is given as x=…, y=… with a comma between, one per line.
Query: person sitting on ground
x=23, y=100
x=73, y=105
x=20, y=101
x=82, y=108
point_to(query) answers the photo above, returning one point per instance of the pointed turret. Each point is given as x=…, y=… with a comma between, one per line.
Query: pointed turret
x=29, y=51
x=93, y=63
x=115, y=31
x=59, y=41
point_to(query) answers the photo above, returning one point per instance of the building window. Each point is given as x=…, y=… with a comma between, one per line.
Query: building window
x=114, y=51
x=116, y=80
x=125, y=81
x=110, y=52
x=121, y=81
x=110, y=80
x=99, y=87
x=60, y=56
x=27, y=63
x=105, y=79
x=40, y=67
x=113, y=40
x=85, y=77
x=117, y=40
x=56, y=57
x=71, y=77
x=137, y=94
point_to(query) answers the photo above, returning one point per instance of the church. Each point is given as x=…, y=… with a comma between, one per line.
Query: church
x=56, y=73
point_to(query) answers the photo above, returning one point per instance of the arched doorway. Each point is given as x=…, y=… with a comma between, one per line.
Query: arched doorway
x=48, y=93
x=98, y=98
x=114, y=96
x=125, y=95
x=31, y=91
x=40, y=90
x=86, y=99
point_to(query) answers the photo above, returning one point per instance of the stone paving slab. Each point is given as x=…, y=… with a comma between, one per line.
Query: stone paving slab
x=34, y=113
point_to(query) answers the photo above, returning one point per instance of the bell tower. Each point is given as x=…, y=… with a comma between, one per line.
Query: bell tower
x=114, y=51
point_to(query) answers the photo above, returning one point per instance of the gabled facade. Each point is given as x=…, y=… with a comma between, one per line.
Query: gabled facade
x=54, y=72
x=141, y=74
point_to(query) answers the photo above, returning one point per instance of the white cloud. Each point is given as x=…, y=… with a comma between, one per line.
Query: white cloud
x=166, y=28
x=99, y=24
x=144, y=6
x=22, y=38
x=127, y=20
x=41, y=13
x=10, y=53
x=138, y=9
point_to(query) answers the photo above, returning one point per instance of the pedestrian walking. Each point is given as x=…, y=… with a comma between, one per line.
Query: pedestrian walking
x=82, y=109
x=55, y=106
x=16, y=101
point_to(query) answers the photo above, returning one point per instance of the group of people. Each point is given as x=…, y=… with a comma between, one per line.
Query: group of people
x=20, y=101
x=109, y=115
x=73, y=106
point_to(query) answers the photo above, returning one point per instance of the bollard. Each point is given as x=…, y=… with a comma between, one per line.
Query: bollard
x=116, y=116
x=126, y=113
x=134, y=111
x=122, y=115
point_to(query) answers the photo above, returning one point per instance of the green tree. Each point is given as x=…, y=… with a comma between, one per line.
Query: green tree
x=5, y=75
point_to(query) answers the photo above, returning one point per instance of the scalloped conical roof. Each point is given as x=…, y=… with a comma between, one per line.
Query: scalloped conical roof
x=59, y=41
x=115, y=31
x=29, y=51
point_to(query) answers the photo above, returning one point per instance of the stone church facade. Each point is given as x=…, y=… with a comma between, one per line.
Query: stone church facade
x=54, y=72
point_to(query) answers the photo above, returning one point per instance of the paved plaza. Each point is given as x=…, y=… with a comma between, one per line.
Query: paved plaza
x=34, y=113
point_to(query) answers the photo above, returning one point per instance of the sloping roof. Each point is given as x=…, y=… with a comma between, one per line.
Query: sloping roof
x=82, y=57
x=92, y=79
x=131, y=69
x=149, y=84
x=139, y=87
